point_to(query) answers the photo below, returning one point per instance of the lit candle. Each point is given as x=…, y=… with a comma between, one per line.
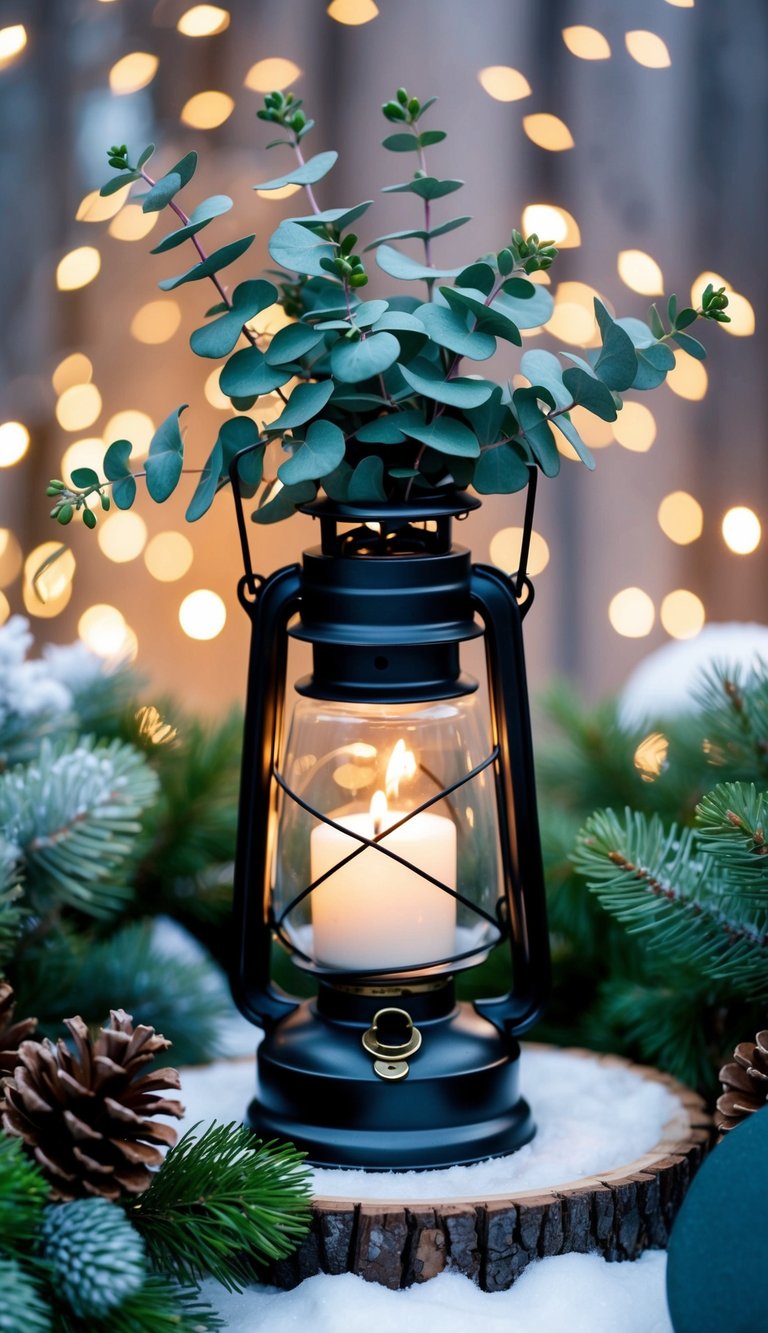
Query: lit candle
x=374, y=912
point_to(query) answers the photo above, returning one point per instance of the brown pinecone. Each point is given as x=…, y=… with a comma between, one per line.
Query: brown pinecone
x=84, y=1116
x=745, y=1083
x=11, y=1034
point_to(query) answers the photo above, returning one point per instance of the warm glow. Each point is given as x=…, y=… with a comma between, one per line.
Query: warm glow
x=74, y=369
x=682, y=4
x=681, y=518
x=202, y=614
x=122, y=536
x=651, y=756
x=689, y=378
x=132, y=223
x=53, y=588
x=284, y=192
x=168, y=556
x=594, y=432
x=14, y=442
x=77, y=268
x=741, y=530
x=270, y=321
x=682, y=614
x=505, y=551
x=203, y=21
x=152, y=727
x=102, y=628
x=78, y=407
x=504, y=83
x=635, y=427
x=739, y=308
x=95, y=208
x=10, y=557
x=551, y=223
x=272, y=74
x=548, y=131
x=402, y=767
x=631, y=613
x=214, y=394
x=573, y=318
x=586, y=43
x=208, y=110
x=5, y=608
x=133, y=425
x=133, y=72
x=13, y=39
x=352, y=12
x=379, y=810
x=83, y=453
x=156, y=322
x=640, y=272
x=647, y=49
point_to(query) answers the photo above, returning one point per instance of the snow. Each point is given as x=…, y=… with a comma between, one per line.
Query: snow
x=592, y=1115
x=665, y=684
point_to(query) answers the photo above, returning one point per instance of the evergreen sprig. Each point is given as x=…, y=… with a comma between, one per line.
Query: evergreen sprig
x=221, y=1204
x=24, y=1307
x=159, y=1306
x=23, y=1196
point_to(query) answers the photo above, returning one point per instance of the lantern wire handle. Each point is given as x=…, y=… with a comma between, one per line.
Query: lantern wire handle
x=251, y=579
x=521, y=578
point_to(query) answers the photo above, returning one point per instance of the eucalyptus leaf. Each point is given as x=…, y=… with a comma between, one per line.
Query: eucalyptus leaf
x=458, y=392
x=145, y=156
x=368, y=312
x=616, y=364
x=115, y=461
x=207, y=485
x=398, y=265
x=284, y=502
x=541, y=367
x=526, y=312
x=321, y=451
x=235, y=436
x=247, y=374
x=367, y=481
x=336, y=483
x=363, y=358
x=248, y=299
x=656, y=322
x=340, y=218
x=429, y=137
x=590, y=393
x=653, y=365
x=566, y=427
x=306, y=401
x=162, y=191
x=199, y=218
x=401, y=143
x=480, y=276
x=312, y=171
x=419, y=235
x=537, y=431
x=291, y=343
x=690, y=345
x=490, y=420
x=500, y=471
x=383, y=430
x=166, y=457
x=408, y=330
x=118, y=182
x=85, y=476
x=426, y=187
x=226, y=254
x=488, y=320
x=444, y=434
x=299, y=249
x=449, y=328
x=124, y=492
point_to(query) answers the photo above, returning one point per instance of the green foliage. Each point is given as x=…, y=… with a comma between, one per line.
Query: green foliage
x=355, y=371
x=23, y=1308
x=96, y=1257
x=159, y=1306
x=221, y=1204
x=23, y=1194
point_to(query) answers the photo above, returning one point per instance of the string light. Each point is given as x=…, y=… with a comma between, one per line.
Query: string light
x=132, y=223
x=133, y=425
x=13, y=39
x=274, y=73
x=353, y=12
x=505, y=551
x=741, y=530
x=77, y=268
x=168, y=556
x=648, y=49
x=682, y=614
x=689, y=377
x=203, y=21
x=14, y=442
x=156, y=322
x=78, y=407
x=651, y=756
x=552, y=222
x=632, y=613
x=47, y=595
x=10, y=557
x=5, y=608
x=207, y=110
x=122, y=536
x=548, y=131
x=74, y=369
x=83, y=453
x=640, y=272
x=202, y=614
x=680, y=517
x=97, y=208
x=573, y=318
x=504, y=83
x=102, y=628
x=586, y=43
x=635, y=427
x=134, y=72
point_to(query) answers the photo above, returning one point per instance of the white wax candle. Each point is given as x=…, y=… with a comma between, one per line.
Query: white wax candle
x=374, y=912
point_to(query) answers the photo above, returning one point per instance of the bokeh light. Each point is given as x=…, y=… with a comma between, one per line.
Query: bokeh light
x=103, y=630
x=77, y=268
x=74, y=369
x=122, y=536
x=214, y=394
x=741, y=530
x=593, y=431
x=586, y=43
x=504, y=83
x=132, y=223
x=273, y=73
x=648, y=49
x=5, y=608
x=133, y=425
x=10, y=557
x=207, y=110
x=47, y=595
x=203, y=21
x=100, y=208
x=153, y=727
x=133, y=72
x=573, y=318
x=168, y=556
x=680, y=517
x=689, y=377
x=505, y=551
x=13, y=39
x=740, y=310
x=78, y=407
x=640, y=272
x=548, y=131
x=651, y=756
x=83, y=453
x=551, y=223
x=353, y=12
x=632, y=613
x=635, y=427
x=682, y=614
x=282, y=192
x=14, y=442
x=156, y=322
x=202, y=614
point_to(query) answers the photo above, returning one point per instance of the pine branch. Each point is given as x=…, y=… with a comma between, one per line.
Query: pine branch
x=73, y=814
x=734, y=702
x=160, y=1306
x=23, y=1196
x=12, y=914
x=659, y=884
x=24, y=1307
x=731, y=822
x=222, y=1203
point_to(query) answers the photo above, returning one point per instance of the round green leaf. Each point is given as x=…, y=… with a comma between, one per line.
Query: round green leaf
x=85, y=476
x=313, y=170
x=426, y=187
x=341, y=218
x=227, y=254
x=296, y=248
x=444, y=434
x=449, y=328
x=321, y=452
x=458, y=392
x=283, y=502
x=115, y=462
x=367, y=481
x=199, y=218
x=306, y=401
x=291, y=343
x=207, y=485
x=489, y=320
x=248, y=374
x=218, y=338
x=402, y=266
x=500, y=471
x=364, y=358
x=166, y=457
x=368, y=312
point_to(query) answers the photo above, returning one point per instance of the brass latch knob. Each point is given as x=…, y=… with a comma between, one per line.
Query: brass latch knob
x=391, y=1039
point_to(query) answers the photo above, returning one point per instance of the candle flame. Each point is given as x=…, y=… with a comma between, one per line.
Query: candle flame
x=379, y=811
x=402, y=765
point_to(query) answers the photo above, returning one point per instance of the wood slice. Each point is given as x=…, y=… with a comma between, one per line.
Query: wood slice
x=618, y=1214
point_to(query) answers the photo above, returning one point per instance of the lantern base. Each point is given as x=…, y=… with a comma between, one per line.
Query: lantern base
x=457, y=1104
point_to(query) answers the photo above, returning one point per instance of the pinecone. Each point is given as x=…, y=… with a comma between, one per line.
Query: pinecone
x=11, y=1034
x=745, y=1083
x=84, y=1115
x=96, y=1254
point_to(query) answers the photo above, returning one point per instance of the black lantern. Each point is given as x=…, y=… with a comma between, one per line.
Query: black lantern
x=387, y=839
